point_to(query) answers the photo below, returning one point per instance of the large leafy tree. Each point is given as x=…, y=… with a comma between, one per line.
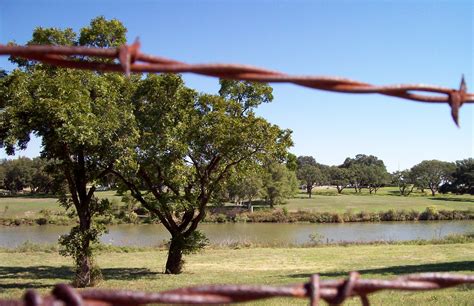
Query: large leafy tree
x=432, y=174
x=188, y=145
x=463, y=176
x=17, y=174
x=82, y=118
x=366, y=171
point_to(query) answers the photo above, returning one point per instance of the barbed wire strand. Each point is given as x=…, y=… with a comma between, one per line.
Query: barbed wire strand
x=130, y=59
x=334, y=292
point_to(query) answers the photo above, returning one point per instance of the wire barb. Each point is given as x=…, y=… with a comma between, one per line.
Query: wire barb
x=335, y=292
x=130, y=59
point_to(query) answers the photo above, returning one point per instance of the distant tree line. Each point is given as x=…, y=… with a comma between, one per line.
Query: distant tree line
x=36, y=175
x=437, y=176
x=369, y=172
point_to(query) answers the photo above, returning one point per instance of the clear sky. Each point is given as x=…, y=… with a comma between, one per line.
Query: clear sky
x=380, y=42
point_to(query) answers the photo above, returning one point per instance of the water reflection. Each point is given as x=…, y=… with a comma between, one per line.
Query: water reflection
x=149, y=235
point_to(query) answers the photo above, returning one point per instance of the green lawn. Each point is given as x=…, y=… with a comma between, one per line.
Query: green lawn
x=327, y=200
x=143, y=270
x=24, y=206
x=323, y=200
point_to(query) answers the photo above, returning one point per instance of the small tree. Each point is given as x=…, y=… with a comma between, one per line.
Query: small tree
x=279, y=183
x=376, y=177
x=338, y=177
x=405, y=182
x=310, y=176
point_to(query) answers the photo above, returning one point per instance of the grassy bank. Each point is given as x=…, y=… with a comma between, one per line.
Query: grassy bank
x=325, y=206
x=328, y=200
x=315, y=242
x=142, y=269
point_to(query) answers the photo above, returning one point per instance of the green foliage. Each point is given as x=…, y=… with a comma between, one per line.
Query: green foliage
x=432, y=174
x=339, y=177
x=85, y=120
x=17, y=174
x=366, y=171
x=302, y=161
x=279, y=183
x=245, y=184
x=291, y=162
x=405, y=181
x=463, y=177
x=103, y=33
x=310, y=176
x=195, y=242
x=189, y=143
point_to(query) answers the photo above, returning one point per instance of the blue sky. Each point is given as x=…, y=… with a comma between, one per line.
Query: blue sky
x=384, y=42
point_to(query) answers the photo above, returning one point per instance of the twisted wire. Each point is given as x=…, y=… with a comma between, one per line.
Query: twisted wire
x=334, y=292
x=130, y=59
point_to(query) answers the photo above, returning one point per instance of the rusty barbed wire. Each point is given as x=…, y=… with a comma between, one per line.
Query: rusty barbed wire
x=334, y=292
x=132, y=60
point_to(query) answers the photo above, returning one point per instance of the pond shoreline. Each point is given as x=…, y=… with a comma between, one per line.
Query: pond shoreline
x=264, y=234
x=274, y=216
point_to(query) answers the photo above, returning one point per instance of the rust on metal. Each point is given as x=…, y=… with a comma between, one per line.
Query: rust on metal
x=334, y=292
x=130, y=59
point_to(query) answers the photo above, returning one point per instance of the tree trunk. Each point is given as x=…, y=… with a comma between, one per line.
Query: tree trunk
x=174, y=264
x=83, y=272
x=84, y=277
x=309, y=189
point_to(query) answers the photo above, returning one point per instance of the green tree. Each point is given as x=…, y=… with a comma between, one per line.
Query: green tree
x=82, y=118
x=338, y=177
x=306, y=161
x=279, y=183
x=18, y=174
x=432, y=174
x=245, y=185
x=463, y=176
x=362, y=159
x=310, y=176
x=405, y=181
x=291, y=162
x=376, y=177
x=188, y=145
x=366, y=171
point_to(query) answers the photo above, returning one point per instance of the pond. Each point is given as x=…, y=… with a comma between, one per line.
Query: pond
x=263, y=233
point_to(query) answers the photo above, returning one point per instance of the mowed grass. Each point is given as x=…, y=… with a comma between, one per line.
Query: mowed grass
x=271, y=266
x=328, y=200
x=323, y=200
x=24, y=206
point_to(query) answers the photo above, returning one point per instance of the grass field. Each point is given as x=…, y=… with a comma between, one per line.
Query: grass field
x=143, y=270
x=29, y=206
x=323, y=200
x=328, y=200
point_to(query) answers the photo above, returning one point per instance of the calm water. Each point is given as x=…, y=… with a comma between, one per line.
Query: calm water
x=149, y=235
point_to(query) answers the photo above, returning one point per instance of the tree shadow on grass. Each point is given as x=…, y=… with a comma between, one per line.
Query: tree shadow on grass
x=24, y=286
x=66, y=273
x=399, y=270
x=452, y=199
